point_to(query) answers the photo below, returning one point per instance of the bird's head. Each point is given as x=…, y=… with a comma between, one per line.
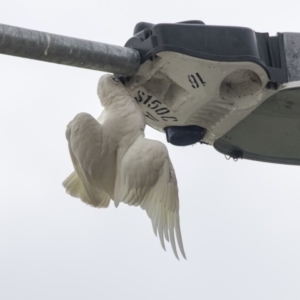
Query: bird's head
x=108, y=87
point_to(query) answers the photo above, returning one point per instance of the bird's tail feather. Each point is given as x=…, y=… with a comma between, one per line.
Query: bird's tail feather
x=72, y=185
x=75, y=188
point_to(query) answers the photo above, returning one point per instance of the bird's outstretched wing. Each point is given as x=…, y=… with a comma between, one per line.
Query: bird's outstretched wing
x=147, y=178
x=84, y=135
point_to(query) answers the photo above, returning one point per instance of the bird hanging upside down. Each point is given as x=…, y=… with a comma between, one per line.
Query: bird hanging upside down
x=114, y=161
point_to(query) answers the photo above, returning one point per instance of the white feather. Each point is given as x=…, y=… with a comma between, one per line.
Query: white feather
x=113, y=160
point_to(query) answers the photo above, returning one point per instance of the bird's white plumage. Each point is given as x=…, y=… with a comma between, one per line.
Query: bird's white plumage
x=113, y=160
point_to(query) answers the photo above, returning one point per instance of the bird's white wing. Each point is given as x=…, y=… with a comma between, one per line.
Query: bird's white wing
x=86, y=145
x=102, y=116
x=147, y=178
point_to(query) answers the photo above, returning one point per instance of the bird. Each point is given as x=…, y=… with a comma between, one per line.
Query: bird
x=113, y=161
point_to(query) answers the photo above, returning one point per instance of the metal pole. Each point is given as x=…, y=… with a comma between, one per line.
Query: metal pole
x=68, y=51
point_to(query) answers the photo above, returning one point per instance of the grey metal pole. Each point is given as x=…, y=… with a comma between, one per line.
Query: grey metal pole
x=68, y=51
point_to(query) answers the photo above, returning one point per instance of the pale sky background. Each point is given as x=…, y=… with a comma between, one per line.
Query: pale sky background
x=240, y=221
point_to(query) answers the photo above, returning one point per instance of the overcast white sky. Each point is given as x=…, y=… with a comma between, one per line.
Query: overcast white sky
x=240, y=221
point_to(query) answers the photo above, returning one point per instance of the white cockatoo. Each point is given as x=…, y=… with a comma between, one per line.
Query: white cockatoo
x=114, y=161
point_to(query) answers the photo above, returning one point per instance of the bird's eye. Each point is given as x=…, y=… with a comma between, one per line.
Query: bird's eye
x=115, y=79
